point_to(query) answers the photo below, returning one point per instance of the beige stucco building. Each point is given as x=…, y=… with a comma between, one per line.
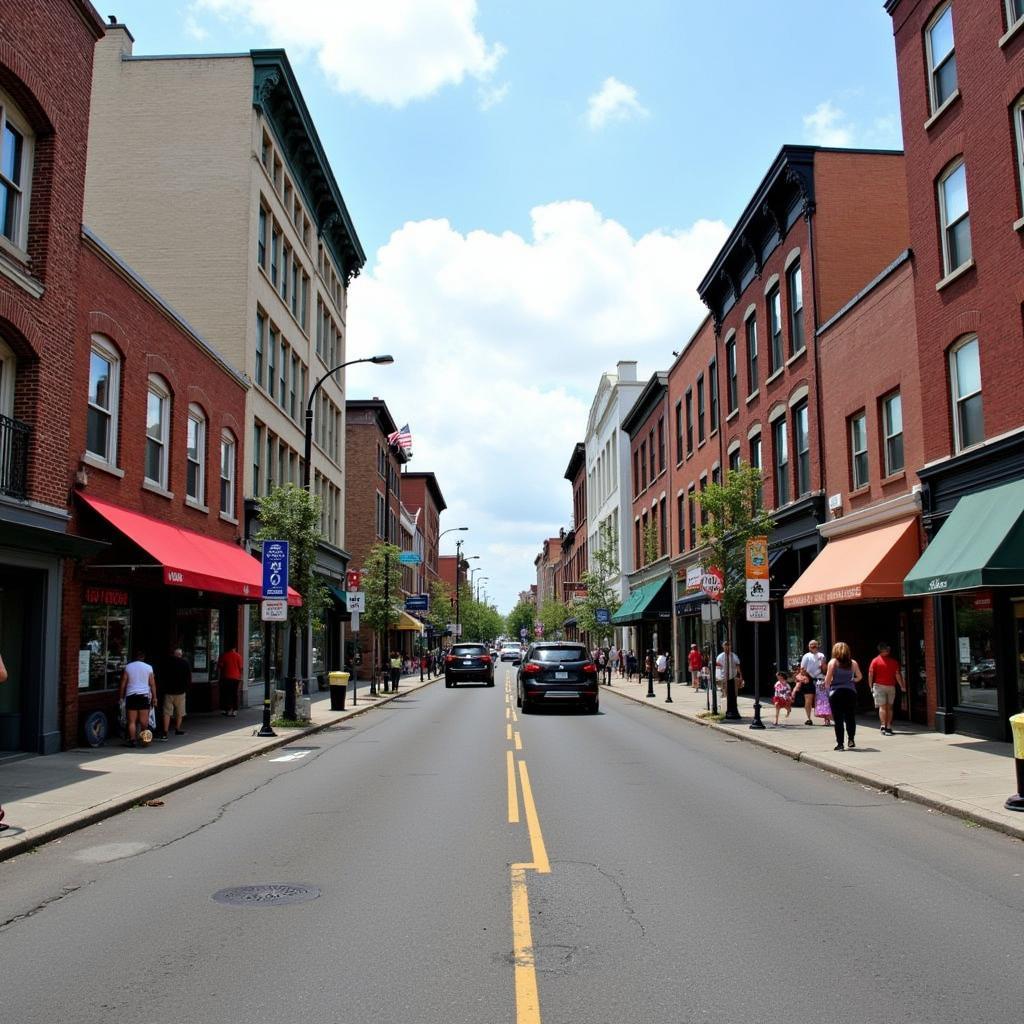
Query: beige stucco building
x=206, y=174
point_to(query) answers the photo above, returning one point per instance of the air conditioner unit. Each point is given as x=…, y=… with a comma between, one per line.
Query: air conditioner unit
x=835, y=503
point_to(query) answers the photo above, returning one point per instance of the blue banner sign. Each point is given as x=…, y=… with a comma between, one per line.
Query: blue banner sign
x=409, y=558
x=417, y=603
x=275, y=568
x=602, y=616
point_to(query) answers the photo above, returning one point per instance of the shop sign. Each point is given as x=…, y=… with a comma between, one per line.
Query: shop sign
x=712, y=582
x=409, y=558
x=981, y=602
x=758, y=611
x=355, y=600
x=274, y=609
x=106, y=595
x=84, y=657
x=602, y=616
x=693, y=577
x=417, y=603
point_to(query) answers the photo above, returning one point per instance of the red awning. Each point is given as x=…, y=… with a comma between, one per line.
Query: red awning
x=188, y=558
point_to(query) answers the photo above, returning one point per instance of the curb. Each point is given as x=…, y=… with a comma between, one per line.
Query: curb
x=17, y=845
x=898, y=791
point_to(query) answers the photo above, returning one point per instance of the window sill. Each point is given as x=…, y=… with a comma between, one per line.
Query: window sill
x=148, y=485
x=192, y=503
x=1018, y=224
x=900, y=474
x=954, y=275
x=228, y=519
x=950, y=100
x=775, y=376
x=859, y=492
x=95, y=462
x=732, y=416
x=1010, y=33
x=700, y=444
x=795, y=356
x=14, y=265
x=753, y=394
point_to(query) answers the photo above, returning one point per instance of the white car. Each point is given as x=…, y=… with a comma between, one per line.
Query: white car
x=511, y=652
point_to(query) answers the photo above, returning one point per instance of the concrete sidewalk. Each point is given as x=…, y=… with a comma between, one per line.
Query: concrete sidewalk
x=46, y=797
x=959, y=775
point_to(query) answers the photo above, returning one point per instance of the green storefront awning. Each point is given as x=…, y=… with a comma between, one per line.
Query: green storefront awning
x=981, y=544
x=636, y=604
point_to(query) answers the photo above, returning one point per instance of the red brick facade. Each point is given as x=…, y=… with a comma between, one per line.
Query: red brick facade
x=651, y=515
x=422, y=493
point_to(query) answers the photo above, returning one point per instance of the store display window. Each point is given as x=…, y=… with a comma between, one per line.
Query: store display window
x=106, y=638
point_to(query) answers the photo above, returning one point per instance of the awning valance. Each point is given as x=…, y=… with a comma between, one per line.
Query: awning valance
x=860, y=566
x=408, y=624
x=638, y=605
x=188, y=558
x=981, y=544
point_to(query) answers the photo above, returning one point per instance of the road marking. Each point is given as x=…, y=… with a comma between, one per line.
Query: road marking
x=515, y=717
x=513, y=793
x=527, y=998
x=292, y=755
x=540, y=864
x=508, y=713
x=519, y=740
x=508, y=731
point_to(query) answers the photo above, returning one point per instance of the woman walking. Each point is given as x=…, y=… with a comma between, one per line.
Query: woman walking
x=841, y=680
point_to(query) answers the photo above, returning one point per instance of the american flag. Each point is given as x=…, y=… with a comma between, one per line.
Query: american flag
x=401, y=439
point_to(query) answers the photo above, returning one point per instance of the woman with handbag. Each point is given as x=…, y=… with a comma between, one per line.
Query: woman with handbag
x=841, y=681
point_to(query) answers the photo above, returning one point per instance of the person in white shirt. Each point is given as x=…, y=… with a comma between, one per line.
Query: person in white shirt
x=813, y=663
x=138, y=691
x=661, y=666
x=727, y=666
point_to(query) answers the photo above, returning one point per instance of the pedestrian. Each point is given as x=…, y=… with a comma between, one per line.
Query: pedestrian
x=783, y=695
x=396, y=670
x=648, y=666
x=661, y=665
x=138, y=691
x=175, y=680
x=695, y=662
x=813, y=664
x=229, y=668
x=3, y=679
x=884, y=676
x=602, y=662
x=841, y=680
x=613, y=662
x=727, y=667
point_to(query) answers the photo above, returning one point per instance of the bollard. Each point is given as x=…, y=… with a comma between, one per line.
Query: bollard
x=1016, y=802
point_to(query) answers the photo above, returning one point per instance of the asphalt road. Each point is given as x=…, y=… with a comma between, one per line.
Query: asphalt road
x=692, y=878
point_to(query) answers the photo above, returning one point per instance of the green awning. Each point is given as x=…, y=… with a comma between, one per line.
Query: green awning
x=981, y=544
x=638, y=602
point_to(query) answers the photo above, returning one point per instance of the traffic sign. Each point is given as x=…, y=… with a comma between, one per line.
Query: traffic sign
x=275, y=568
x=353, y=580
x=522, y=632
x=455, y=628
x=757, y=590
x=355, y=601
x=758, y=611
x=274, y=609
x=602, y=616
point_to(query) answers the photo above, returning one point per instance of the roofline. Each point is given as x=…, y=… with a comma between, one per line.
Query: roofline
x=152, y=295
x=431, y=481
x=645, y=401
x=903, y=257
x=891, y=5
x=92, y=19
x=577, y=459
x=381, y=408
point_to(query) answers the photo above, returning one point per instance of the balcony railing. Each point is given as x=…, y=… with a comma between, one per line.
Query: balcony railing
x=14, y=444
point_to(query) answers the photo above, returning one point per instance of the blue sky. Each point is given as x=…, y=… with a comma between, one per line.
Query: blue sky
x=538, y=188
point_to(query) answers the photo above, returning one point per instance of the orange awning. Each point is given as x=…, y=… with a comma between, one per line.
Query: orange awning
x=188, y=558
x=871, y=564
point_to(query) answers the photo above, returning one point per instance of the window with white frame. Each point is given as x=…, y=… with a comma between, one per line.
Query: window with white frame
x=261, y=336
x=158, y=428
x=1018, y=127
x=261, y=238
x=1014, y=13
x=228, y=449
x=795, y=293
x=775, y=328
x=755, y=462
x=859, y=450
x=195, y=455
x=892, y=425
x=954, y=218
x=802, y=444
x=751, y=330
x=15, y=173
x=731, y=379
x=941, y=54
x=965, y=382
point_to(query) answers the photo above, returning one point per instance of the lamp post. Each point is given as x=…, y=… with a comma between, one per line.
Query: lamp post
x=458, y=545
x=458, y=586
x=478, y=587
x=306, y=474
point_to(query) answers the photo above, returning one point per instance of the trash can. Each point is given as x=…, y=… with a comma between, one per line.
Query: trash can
x=339, y=686
x=1016, y=802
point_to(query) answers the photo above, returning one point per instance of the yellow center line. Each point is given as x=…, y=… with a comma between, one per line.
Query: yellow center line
x=513, y=794
x=527, y=998
x=540, y=864
x=508, y=731
x=519, y=740
x=508, y=713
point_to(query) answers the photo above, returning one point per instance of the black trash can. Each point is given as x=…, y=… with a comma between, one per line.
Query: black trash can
x=339, y=687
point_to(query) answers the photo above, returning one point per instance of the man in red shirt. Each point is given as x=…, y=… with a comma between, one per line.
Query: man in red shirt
x=230, y=668
x=884, y=676
x=695, y=661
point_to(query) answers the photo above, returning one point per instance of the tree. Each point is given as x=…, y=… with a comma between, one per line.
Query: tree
x=598, y=581
x=293, y=514
x=650, y=543
x=382, y=584
x=553, y=614
x=521, y=617
x=734, y=514
x=441, y=610
x=479, y=621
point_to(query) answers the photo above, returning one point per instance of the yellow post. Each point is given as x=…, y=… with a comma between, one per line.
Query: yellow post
x=1016, y=802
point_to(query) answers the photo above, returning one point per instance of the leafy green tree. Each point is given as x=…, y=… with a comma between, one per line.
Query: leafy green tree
x=479, y=621
x=650, y=543
x=441, y=611
x=293, y=514
x=521, y=617
x=735, y=514
x=598, y=581
x=382, y=584
x=553, y=614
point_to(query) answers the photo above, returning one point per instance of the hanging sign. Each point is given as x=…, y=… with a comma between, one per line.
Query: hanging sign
x=712, y=582
x=275, y=568
x=757, y=558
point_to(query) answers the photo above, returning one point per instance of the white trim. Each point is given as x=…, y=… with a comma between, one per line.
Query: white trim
x=750, y=311
x=752, y=396
x=734, y=446
x=1012, y=30
x=1018, y=129
x=8, y=107
x=956, y=397
x=730, y=334
x=930, y=65
x=198, y=416
x=155, y=488
x=950, y=100
x=779, y=409
x=95, y=462
x=874, y=515
x=771, y=283
x=158, y=387
x=102, y=346
x=945, y=224
x=951, y=277
x=799, y=395
x=791, y=257
x=754, y=431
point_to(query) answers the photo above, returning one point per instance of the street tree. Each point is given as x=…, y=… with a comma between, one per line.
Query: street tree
x=442, y=609
x=293, y=514
x=479, y=621
x=521, y=617
x=553, y=614
x=382, y=584
x=598, y=581
x=734, y=514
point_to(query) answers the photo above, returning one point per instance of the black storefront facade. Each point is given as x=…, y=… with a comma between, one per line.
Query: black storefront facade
x=647, y=611
x=978, y=617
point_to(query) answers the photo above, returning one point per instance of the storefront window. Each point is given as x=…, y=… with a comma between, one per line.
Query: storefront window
x=319, y=665
x=106, y=639
x=193, y=635
x=802, y=626
x=255, y=652
x=975, y=650
x=1018, y=629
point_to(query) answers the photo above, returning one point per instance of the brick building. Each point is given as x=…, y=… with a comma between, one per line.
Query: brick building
x=960, y=65
x=156, y=418
x=45, y=77
x=574, y=543
x=422, y=495
x=647, y=609
x=547, y=564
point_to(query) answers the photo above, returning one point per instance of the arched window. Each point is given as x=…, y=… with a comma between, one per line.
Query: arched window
x=195, y=484
x=104, y=393
x=965, y=385
x=15, y=173
x=228, y=449
x=158, y=430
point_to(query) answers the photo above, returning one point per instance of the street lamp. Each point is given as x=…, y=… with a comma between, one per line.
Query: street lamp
x=478, y=588
x=458, y=585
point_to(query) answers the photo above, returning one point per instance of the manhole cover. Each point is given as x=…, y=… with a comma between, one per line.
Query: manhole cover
x=274, y=895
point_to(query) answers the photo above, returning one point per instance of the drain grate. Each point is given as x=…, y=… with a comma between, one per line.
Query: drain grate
x=273, y=895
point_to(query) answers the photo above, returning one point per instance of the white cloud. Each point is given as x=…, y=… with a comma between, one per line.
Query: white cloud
x=827, y=125
x=615, y=101
x=392, y=51
x=499, y=342
x=491, y=96
x=194, y=29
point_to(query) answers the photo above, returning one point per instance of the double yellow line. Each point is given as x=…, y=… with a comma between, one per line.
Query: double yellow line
x=527, y=998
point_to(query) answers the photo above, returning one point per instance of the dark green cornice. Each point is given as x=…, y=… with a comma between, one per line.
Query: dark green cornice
x=277, y=96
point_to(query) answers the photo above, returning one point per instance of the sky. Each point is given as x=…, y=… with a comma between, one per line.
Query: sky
x=539, y=187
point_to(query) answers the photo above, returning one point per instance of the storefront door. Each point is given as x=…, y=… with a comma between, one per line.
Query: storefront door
x=1018, y=632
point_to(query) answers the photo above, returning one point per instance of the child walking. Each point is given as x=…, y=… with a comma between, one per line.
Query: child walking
x=783, y=695
x=822, y=707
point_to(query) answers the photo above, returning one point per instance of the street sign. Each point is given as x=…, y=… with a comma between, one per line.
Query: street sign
x=602, y=616
x=455, y=628
x=522, y=632
x=355, y=601
x=353, y=580
x=710, y=612
x=409, y=558
x=274, y=609
x=757, y=590
x=417, y=603
x=757, y=558
x=712, y=582
x=275, y=568
x=758, y=611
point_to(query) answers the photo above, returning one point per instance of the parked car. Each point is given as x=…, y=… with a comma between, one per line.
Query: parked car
x=511, y=652
x=466, y=663
x=557, y=672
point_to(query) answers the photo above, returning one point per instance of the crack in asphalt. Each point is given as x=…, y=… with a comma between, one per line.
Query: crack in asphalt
x=626, y=906
x=67, y=890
